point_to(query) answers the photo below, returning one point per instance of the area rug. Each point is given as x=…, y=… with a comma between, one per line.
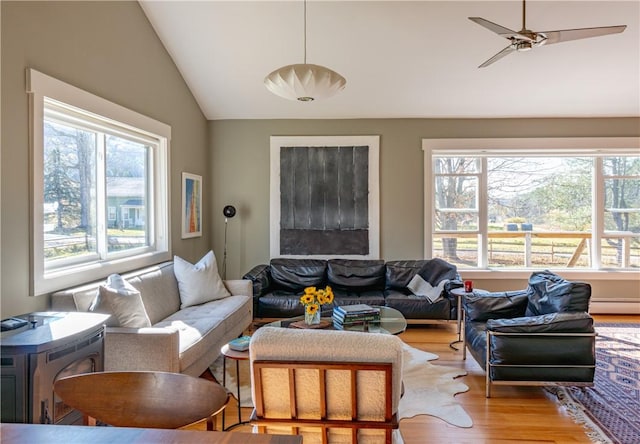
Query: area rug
x=231, y=382
x=610, y=410
x=428, y=389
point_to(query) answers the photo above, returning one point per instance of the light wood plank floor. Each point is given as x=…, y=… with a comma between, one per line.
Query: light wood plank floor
x=512, y=414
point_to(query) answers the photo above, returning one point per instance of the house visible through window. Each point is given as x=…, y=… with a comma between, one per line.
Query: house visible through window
x=100, y=192
x=498, y=205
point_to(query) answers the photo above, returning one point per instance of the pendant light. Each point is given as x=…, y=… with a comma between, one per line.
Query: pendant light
x=304, y=81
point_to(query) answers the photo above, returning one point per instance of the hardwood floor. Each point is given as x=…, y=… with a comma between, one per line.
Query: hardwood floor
x=512, y=414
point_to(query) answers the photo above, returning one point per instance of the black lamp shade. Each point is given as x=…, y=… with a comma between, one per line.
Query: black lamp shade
x=229, y=211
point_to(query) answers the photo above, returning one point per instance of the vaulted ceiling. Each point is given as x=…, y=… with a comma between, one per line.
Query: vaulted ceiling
x=415, y=59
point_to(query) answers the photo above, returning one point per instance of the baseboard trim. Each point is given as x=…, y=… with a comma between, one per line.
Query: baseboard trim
x=614, y=307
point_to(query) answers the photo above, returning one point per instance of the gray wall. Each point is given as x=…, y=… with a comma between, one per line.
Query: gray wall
x=108, y=49
x=240, y=168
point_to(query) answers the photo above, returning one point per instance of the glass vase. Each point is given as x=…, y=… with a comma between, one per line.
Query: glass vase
x=311, y=319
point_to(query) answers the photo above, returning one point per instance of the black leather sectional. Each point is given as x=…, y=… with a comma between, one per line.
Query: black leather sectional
x=277, y=286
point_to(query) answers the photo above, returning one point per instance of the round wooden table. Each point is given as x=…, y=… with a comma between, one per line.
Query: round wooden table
x=143, y=399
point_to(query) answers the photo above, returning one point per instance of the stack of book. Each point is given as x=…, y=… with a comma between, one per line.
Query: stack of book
x=240, y=344
x=349, y=315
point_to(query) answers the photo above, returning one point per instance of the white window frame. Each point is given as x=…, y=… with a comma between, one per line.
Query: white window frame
x=44, y=281
x=569, y=146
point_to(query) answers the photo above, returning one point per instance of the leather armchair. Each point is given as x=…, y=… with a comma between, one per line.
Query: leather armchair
x=542, y=335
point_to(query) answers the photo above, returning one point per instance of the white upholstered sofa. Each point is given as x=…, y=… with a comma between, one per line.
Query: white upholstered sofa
x=179, y=340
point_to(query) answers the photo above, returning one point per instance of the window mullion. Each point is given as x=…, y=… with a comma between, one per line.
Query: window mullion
x=597, y=229
x=483, y=215
x=101, y=200
x=429, y=204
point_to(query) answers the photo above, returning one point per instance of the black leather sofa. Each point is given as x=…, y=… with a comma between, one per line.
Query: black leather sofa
x=542, y=335
x=277, y=286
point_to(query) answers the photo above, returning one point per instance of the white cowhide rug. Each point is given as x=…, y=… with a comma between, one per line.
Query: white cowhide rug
x=428, y=389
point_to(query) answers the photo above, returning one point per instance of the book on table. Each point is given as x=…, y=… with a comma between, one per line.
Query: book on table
x=355, y=314
x=346, y=319
x=340, y=324
x=356, y=309
x=240, y=344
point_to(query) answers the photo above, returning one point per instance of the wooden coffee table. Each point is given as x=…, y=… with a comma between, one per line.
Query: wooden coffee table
x=392, y=322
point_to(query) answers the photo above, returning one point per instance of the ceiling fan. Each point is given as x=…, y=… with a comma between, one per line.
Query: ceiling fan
x=525, y=39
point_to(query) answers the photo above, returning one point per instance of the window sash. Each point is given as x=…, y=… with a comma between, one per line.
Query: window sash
x=90, y=111
x=482, y=149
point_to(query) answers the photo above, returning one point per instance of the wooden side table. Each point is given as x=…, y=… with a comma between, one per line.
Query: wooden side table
x=237, y=356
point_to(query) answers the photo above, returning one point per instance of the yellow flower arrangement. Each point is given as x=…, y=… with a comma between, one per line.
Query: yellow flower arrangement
x=313, y=298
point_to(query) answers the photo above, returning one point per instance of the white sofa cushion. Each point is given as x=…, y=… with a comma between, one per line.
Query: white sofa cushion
x=199, y=283
x=120, y=299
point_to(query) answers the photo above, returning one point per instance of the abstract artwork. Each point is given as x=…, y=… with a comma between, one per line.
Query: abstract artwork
x=325, y=196
x=191, y=205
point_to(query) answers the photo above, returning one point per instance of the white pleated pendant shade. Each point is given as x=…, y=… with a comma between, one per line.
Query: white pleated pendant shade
x=304, y=82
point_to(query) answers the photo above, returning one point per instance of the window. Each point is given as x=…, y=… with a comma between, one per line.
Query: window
x=505, y=204
x=100, y=193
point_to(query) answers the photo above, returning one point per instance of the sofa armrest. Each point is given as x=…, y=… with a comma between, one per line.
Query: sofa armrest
x=142, y=349
x=559, y=340
x=498, y=305
x=567, y=322
x=260, y=277
x=239, y=287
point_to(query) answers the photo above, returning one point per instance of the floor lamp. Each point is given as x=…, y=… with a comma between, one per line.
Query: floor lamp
x=229, y=211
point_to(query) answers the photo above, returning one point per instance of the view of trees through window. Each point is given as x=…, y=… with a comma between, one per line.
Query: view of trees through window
x=92, y=176
x=539, y=212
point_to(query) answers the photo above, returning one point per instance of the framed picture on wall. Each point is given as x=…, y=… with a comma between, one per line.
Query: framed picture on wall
x=325, y=197
x=191, y=205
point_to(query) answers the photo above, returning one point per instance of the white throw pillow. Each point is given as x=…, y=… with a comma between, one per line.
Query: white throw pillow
x=122, y=301
x=199, y=283
x=420, y=287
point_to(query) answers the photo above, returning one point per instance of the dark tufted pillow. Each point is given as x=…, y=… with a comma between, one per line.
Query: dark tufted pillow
x=296, y=274
x=549, y=293
x=399, y=273
x=360, y=275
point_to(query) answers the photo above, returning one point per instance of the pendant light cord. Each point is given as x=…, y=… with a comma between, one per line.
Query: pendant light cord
x=305, y=32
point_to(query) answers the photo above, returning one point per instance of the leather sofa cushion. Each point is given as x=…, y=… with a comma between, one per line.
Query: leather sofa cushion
x=399, y=273
x=435, y=270
x=369, y=297
x=280, y=304
x=576, y=322
x=345, y=274
x=549, y=293
x=498, y=305
x=297, y=274
x=418, y=307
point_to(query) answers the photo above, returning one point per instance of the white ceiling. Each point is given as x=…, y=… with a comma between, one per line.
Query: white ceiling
x=404, y=59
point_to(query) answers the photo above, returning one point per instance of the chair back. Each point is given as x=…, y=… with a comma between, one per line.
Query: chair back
x=143, y=399
x=329, y=386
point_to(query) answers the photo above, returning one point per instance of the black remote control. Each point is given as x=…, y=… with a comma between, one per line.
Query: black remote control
x=12, y=323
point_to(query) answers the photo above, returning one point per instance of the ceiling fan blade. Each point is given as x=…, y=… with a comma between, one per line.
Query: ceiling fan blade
x=506, y=51
x=565, y=35
x=500, y=30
